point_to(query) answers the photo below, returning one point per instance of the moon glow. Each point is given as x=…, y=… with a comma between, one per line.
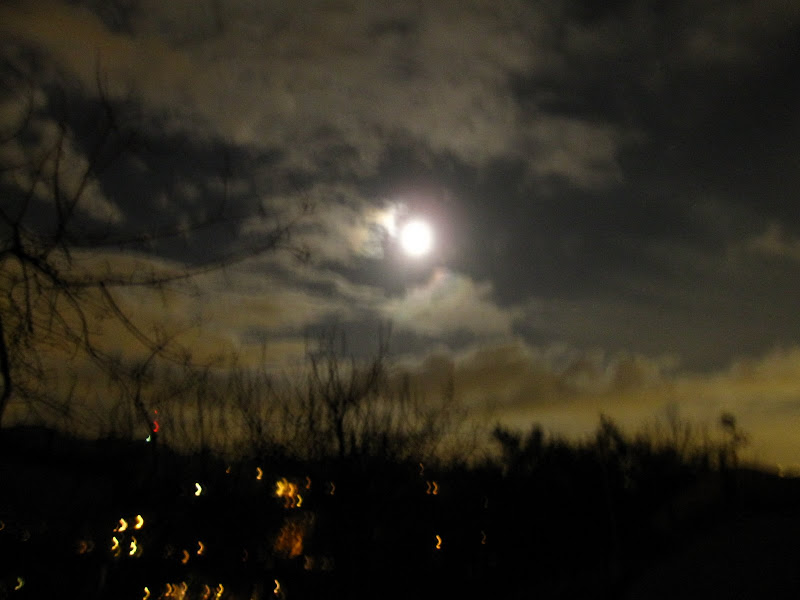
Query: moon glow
x=416, y=238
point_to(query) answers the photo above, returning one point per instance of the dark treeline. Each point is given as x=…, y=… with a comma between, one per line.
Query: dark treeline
x=364, y=514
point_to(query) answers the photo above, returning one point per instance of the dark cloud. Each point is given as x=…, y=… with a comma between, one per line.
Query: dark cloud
x=617, y=178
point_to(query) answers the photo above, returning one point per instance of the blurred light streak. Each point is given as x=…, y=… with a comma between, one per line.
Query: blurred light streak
x=438, y=542
x=206, y=592
x=259, y=473
x=421, y=470
x=20, y=584
x=201, y=548
x=146, y=593
x=199, y=489
x=277, y=589
x=123, y=525
x=2, y=525
x=185, y=558
x=333, y=488
x=148, y=438
x=114, y=544
x=245, y=555
x=220, y=590
x=288, y=491
x=290, y=539
x=308, y=482
x=483, y=537
x=139, y=522
x=134, y=547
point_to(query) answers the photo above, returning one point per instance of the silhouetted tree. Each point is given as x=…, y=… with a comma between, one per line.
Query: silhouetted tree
x=53, y=295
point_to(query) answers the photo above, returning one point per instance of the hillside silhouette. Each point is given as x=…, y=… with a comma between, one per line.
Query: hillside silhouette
x=613, y=516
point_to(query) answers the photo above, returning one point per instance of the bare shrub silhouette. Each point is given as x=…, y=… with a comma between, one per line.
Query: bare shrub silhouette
x=68, y=257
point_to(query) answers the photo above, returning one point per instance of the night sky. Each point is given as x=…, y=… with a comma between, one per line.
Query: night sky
x=612, y=188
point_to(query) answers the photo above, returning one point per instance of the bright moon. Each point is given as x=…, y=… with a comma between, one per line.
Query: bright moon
x=416, y=238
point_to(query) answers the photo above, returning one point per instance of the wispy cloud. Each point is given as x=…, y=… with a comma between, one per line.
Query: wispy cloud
x=451, y=303
x=775, y=242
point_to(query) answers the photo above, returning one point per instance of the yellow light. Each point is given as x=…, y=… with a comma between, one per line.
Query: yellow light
x=428, y=491
x=220, y=589
x=435, y=489
x=146, y=593
x=139, y=522
x=299, y=501
x=199, y=489
x=290, y=539
x=169, y=590
x=114, y=544
x=201, y=548
x=259, y=473
x=123, y=525
x=277, y=589
x=206, y=592
x=133, y=547
x=20, y=584
x=438, y=542
x=288, y=491
x=185, y=558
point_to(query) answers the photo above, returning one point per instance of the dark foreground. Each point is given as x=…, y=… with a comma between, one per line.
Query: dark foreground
x=114, y=519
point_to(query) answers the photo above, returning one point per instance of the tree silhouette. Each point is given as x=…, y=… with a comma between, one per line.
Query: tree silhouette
x=55, y=292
